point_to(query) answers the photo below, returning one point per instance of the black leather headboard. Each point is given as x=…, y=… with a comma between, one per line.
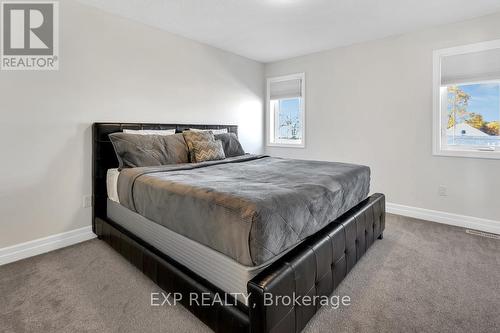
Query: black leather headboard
x=104, y=158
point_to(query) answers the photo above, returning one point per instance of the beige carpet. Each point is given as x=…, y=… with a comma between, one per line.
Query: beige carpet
x=423, y=277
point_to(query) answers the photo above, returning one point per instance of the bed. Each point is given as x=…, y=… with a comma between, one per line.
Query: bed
x=150, y=215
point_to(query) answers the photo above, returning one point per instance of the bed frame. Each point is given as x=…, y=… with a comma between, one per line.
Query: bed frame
x=314, y=268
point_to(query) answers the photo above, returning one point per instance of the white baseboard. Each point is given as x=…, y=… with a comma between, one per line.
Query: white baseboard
x=46, y=244
x=463, y=221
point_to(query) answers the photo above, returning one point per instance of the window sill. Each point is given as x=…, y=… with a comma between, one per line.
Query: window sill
x=285, y=145
x=468, y=153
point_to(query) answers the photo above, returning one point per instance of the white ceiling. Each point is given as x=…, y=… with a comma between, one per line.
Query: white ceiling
x=269, y=30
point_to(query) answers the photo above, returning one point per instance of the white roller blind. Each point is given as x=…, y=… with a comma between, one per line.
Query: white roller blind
x=471, y=67
x=286, y=89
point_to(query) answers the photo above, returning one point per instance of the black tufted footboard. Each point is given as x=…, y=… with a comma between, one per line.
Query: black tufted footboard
x=315, y=268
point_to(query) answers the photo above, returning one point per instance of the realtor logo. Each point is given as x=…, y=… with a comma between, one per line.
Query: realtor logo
x=29, y=35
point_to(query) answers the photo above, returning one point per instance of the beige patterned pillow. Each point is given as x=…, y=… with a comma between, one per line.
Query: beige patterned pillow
x=208, y=150
x=191, y=136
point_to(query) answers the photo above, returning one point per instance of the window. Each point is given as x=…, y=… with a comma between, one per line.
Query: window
x=285, y=111
x=467, y=101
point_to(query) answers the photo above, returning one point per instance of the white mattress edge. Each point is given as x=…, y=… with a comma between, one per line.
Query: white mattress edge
x=219, y=269
x=112, y=184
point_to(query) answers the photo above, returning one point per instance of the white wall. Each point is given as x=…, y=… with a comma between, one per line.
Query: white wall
x=111, y=69
x=372, y=104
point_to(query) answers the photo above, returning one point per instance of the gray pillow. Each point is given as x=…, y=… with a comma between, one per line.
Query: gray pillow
x=232, y=147
x=208, y=150
x=149, y=150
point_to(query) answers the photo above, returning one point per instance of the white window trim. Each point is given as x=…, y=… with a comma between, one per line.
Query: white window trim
x=301, y=76
x=438, y=149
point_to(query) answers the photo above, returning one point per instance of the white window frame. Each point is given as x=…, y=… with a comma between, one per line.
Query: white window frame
x=440, y=148
x=271, y=116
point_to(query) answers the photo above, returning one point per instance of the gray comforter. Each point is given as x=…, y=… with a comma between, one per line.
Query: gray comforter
x=252, y=207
